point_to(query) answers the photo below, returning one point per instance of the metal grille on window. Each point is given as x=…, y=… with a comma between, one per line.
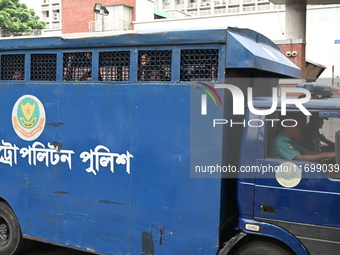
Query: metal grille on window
x=43, y=67
x=154, y=65
x=13, y=67
x=199, y=65
x=77, y=66
x=114, y=66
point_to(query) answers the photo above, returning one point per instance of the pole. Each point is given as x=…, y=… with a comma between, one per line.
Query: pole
x=103, y=23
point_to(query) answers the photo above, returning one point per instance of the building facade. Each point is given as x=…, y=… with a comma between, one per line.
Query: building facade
x=216, y=7
x=321, y=35
x=51, y=14
x=79, y=16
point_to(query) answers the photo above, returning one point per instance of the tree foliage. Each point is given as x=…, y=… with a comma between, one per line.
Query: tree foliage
x=16, y=17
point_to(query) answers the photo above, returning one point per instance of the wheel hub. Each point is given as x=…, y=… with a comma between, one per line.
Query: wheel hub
x=3, y=232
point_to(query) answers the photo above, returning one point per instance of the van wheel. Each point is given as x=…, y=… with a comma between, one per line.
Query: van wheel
x=264, y=247
x=11, y=240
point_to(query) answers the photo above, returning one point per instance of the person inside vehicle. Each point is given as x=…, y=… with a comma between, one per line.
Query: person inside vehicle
x=286, y=145
x=312, y=136
x=18, y=75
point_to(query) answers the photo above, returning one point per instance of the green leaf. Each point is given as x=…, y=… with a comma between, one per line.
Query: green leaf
x=16, y=17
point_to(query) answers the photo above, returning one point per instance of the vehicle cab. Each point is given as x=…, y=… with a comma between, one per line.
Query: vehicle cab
x=296, y=202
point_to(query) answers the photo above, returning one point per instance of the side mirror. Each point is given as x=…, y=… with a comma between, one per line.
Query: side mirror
x=337, y=146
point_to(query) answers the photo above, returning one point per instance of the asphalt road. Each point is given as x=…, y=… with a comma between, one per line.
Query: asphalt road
x=48, y=249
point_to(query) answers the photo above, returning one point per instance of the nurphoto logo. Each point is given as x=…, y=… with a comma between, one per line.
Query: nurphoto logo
x=239, y=103
x=212, y=96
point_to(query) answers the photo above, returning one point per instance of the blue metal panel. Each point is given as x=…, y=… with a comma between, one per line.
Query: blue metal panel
x=88, y=187
x=245, y=52
x=316, y=194
x=110, y=209
x=120, y=39
x=245, y=48
x=238, y=56
x=246, y=179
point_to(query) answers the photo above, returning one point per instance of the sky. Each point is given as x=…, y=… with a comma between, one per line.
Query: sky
x=33, y=4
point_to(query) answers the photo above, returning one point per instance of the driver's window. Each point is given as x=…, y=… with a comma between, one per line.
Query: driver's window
x=327, y=130
x=282, y=142
x=328, y=127
x=308, y=139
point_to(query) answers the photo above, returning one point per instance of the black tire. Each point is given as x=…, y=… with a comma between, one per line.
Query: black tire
x=11, y=241
x=264, y=247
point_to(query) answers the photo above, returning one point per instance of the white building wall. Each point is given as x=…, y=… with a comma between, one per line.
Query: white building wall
x=270, y=24
x=323, y=24
x=323, y=28
x=54, y=11
x=144, y=10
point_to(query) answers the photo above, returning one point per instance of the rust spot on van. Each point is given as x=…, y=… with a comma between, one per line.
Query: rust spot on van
x=48, y=216
x=110, y=202
x=60, y=192
x=34, y=238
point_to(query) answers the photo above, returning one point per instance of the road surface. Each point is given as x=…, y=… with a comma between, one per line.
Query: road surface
x=48, y=249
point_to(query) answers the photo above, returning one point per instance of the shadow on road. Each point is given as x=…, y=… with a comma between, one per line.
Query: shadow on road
x=49, y=249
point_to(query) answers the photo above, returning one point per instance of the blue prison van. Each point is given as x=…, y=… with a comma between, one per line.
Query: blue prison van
x=114, y=145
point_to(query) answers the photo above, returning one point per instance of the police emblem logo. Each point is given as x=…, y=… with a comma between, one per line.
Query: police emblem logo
x=288, y=174
x=28, y=117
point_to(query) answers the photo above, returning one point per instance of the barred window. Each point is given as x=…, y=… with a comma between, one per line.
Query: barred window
x=154, y=65
x=43, y=67
x=200, y=64
x=77, y=66
x=13, y=67
x=114, y=66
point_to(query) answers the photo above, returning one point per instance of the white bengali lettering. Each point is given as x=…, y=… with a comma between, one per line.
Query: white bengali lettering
x=50, y=155
x=9, y=155
x=101, y=156
x=38, y=152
